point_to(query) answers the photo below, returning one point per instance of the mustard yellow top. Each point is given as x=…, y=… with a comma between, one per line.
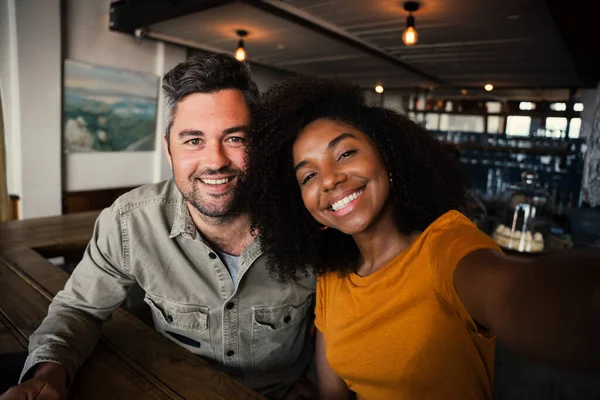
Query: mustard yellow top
x=402, y=332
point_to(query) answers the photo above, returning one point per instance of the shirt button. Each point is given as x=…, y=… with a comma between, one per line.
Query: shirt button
x=170, y=318
x=230, y=306
x=230, y=353
x=212, y=255
x=287, y=319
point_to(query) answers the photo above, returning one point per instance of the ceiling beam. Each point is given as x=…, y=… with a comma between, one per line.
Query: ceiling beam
x=128, y=15
x=283, y=13
x=577, y=22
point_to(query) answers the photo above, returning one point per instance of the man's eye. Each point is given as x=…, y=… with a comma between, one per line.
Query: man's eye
x=308, y=177
x=236, y=139
x=193, y=142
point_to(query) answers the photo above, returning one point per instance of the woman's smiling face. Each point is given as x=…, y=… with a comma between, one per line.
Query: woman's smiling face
x=343, y=180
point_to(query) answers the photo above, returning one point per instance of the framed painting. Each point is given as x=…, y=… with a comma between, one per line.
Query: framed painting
x=108, y=109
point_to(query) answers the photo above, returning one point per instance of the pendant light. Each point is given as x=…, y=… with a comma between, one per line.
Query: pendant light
x=240, y=53
x=410, y=36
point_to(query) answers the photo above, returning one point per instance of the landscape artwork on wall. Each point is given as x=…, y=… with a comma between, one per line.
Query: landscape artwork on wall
x=108, y=109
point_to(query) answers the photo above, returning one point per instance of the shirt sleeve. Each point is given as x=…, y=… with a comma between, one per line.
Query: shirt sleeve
x=320, y=304
x=98, y=285
x=449, y=245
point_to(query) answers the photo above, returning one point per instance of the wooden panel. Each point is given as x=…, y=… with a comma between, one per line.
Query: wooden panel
x=9, y=338
x=58, y=232
x=13, y=207
x=75, y=202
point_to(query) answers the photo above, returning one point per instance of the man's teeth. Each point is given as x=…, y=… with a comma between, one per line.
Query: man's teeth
x=338, y=205
x=215, y=181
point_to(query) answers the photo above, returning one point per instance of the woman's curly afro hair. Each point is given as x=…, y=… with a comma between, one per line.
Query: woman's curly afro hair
x=426, y=181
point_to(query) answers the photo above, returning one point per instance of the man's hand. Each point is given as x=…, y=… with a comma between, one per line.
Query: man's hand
x=302, y=389
x=48, y=383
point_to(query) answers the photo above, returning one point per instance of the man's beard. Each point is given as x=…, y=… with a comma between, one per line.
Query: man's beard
x=223, y=206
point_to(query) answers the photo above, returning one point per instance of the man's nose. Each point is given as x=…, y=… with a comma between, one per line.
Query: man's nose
x=216, y=157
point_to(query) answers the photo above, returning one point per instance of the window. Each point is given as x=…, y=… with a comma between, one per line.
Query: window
x=493, y=107
x=518, y=125
x=556, y=126
x=461, y=123
x=494, y=124
x=526, y=106
x=575, y=127
x=432, y=121
x=578, y=107
x=558, y=106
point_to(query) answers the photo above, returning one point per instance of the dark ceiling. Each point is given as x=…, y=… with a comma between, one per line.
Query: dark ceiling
x=462, y=43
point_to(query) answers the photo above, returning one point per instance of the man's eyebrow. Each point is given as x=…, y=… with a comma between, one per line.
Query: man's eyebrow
x=190, y=132
x=234, y=129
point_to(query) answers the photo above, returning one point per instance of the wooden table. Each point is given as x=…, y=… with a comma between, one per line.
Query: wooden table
x=132, y=360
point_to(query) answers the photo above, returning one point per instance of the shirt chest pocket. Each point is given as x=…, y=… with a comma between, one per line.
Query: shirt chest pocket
x=279, y=335
x=187, y=325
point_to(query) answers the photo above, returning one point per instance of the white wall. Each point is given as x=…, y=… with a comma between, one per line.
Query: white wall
x=9, y=91
x=90, y=41
x=30, y=83
x=31, y=58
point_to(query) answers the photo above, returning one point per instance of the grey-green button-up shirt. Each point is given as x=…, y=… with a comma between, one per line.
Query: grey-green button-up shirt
x=255, y=330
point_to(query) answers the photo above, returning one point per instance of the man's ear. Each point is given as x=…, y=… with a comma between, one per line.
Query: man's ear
x=167, y=149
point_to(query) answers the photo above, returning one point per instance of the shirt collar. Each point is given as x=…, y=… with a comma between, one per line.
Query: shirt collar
x=183, y=223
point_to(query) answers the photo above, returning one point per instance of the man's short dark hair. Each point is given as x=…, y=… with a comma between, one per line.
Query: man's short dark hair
x=206, y=74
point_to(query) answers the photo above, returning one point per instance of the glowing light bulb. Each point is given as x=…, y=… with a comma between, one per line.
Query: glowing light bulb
x=240, y=54
x=379, y=89
x=410, y=36
x=489, y=87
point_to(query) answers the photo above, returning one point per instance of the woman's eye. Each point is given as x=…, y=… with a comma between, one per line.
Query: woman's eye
x=346, y=154
x=307, y=178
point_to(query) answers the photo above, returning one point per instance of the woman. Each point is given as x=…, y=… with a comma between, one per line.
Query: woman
x=410, y=293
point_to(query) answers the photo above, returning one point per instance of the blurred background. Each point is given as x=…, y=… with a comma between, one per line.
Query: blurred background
x=510, y=86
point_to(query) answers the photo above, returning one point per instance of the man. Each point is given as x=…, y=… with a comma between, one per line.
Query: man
x=187, y=243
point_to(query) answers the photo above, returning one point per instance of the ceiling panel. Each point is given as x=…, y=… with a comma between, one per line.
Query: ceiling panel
x=464, y=43
x=276, y=42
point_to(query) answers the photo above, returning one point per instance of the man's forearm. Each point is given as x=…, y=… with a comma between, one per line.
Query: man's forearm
x=554, y=310
x=66, y=335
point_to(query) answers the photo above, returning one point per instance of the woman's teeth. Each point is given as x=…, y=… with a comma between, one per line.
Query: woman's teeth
x=338, y=205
